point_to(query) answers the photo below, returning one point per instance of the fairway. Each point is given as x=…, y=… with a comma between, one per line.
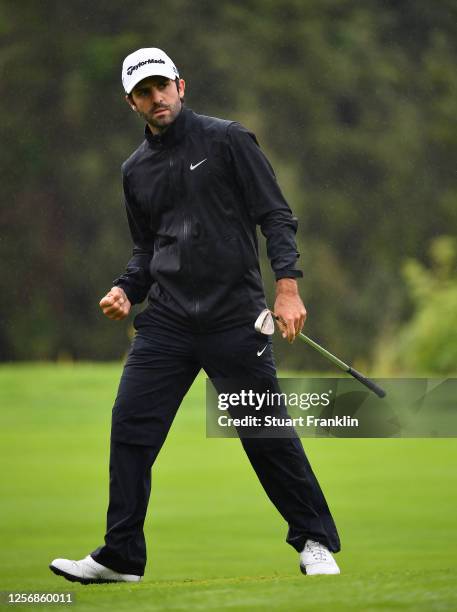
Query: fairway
x=214, y=540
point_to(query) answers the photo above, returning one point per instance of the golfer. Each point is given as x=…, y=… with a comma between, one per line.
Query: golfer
x=195, y=190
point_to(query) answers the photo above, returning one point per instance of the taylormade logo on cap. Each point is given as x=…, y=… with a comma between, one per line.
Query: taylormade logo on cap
x=145, y=63
x=130, y=69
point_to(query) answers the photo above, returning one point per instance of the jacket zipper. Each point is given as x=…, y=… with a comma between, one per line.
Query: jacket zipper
x=187, y=226
x=186, y=238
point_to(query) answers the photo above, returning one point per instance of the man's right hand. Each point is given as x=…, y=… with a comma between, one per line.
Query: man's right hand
x=115, y=305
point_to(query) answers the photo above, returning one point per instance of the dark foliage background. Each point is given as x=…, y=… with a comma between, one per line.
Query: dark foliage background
x=354, y=103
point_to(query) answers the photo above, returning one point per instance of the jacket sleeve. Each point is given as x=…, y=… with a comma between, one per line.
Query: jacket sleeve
x=265, y=201
x=136, y=281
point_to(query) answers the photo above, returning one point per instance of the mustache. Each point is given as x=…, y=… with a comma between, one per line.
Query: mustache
x=158, y=107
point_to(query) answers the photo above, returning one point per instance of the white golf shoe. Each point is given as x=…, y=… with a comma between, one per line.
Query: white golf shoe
x=316, y=559
x=88, y=571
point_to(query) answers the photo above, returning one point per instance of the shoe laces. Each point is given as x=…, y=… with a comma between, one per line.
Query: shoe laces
x=319, y=552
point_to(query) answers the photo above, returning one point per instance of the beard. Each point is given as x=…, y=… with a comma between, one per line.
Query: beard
x=161, y=122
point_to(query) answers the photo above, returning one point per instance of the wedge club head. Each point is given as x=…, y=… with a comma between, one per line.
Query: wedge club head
x=265, y=323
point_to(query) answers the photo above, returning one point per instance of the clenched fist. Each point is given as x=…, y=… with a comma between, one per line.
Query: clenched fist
x=115, y=305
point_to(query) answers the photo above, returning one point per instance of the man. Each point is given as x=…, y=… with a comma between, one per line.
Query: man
x=195, y=190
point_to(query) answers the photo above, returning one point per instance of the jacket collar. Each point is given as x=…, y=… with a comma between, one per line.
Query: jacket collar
x=173, y=134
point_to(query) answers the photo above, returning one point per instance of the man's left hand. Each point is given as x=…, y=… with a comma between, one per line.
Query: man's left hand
x=289, y=308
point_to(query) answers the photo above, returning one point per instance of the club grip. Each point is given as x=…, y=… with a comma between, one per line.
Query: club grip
x=367, y=382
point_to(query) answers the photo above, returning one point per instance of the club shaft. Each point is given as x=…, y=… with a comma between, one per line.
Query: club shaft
x=324, y=352
x=340, y=364
x=343, y=366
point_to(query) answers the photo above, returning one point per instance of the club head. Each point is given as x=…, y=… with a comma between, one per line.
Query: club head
x=265, y=323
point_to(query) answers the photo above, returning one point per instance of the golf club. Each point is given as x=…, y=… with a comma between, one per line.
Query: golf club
x=265, y=325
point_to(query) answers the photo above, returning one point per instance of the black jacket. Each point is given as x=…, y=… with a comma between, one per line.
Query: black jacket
x=194, y=196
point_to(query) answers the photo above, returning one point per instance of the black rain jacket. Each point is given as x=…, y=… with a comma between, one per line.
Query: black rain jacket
x=194, y=196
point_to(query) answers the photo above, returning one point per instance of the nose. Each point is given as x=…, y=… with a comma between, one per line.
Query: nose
x=156, y=95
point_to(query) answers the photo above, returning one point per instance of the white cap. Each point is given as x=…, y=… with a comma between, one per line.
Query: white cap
x=145, y=63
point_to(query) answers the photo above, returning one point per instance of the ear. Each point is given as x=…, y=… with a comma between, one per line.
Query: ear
x=182, y=88
x=130, y=102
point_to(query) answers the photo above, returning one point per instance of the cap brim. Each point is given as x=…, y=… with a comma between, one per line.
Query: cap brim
x=148, y=71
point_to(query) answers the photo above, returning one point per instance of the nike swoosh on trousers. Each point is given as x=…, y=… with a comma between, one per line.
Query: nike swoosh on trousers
x=260, y=352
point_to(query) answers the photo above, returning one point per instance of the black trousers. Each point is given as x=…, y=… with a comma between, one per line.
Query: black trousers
x=160, y=368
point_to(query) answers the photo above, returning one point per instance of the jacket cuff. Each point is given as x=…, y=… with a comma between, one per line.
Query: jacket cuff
x=135, y=297
x=288, y=274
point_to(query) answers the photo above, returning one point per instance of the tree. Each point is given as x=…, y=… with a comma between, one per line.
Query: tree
x=427, y=342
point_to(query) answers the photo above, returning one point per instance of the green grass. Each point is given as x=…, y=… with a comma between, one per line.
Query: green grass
x=214, y=540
